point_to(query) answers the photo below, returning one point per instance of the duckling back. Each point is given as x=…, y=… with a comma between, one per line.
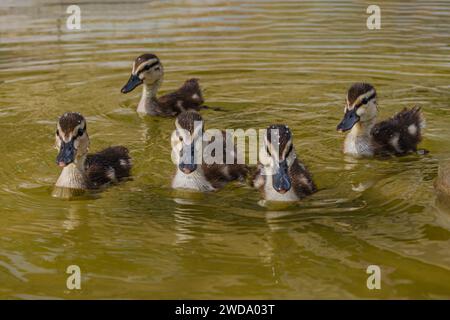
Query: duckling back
x=400, y=134
x=109, y=165
x=187, y=97
x=220, y=174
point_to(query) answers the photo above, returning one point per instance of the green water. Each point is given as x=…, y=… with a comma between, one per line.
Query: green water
x=264, y=62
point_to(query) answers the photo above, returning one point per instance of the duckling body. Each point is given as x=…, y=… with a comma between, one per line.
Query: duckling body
x=397, y=136
x=202, y=176
x=187, y=97
x=209, y=177
x=110, y=165
x=280, y=175
x=302, y=184
x=80, y=169
x=148, y=70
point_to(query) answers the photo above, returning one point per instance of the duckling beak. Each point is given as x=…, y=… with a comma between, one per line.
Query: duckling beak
x=66, y=154
x=187, y=168
x=350, y=119
x=280, y=180
x=132, y=83
x=187, y=164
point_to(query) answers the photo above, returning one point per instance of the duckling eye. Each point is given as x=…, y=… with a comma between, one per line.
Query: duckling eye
x=181, y=138
x=80, y=132
x=364, y=101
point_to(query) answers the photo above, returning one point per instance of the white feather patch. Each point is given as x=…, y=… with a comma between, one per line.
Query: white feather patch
x=124, y=163
x=412, y=129
x=111, y=174
x=394, y=142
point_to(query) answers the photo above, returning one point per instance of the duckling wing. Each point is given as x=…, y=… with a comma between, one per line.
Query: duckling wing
x=109, y=165
x=301, y=179
x=219, y=173
x=400, y=134
x=187, y=97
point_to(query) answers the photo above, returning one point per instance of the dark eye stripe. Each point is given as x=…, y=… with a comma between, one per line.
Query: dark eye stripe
x=365, y=100
x=149, y=66
x=80, y=132
x=289, y=151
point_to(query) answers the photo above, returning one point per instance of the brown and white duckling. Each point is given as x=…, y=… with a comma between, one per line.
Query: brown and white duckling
x=280, y=175
x=398, y=135
x=187, y=140
x=148, y=70
x=80, y=169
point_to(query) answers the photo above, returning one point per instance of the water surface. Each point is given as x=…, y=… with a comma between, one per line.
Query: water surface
x=265, y=62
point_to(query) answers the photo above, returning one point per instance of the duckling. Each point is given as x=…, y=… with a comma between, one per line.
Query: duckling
x=398, y=135
x=280, y=175
x=442, y=183
x=186, y=140
x=80, y=169
x=148, y=70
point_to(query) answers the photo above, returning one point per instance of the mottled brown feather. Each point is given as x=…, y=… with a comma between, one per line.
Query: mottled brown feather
x=358, y=89
x=187, y=119
x=99, y=165
x=187, y=97
x=301, y=179
x=219, y=174
x=69, y=120
x=384, y=131
x=145, y=57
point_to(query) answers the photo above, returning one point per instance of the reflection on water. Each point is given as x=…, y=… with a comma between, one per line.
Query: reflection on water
x=263, y=62
x=68, y=193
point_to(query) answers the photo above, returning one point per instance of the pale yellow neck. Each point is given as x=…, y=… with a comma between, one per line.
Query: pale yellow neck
x=73, y=176
x=359, y=142
x=148, y=100
x=363, y=128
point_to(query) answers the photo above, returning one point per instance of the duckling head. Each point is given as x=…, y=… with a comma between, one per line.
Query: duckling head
x=361, y=106
x=187, y=140
x=72, y=140
x=278, y=156
x=146, y=69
